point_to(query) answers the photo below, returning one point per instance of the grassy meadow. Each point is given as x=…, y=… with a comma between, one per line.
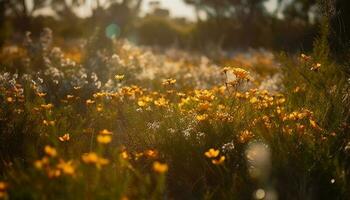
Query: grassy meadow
x=136, y=122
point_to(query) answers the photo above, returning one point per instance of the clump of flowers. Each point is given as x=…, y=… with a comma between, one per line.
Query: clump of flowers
x=213, y=154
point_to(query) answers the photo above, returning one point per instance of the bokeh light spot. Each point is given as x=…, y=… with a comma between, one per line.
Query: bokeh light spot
x=260, y=194
x=112, y=31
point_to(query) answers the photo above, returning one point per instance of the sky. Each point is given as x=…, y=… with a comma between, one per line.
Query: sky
x=180, y=9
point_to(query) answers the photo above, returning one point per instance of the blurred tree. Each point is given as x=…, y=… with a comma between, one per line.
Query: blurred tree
x=21, y=11
x=302, y=10
x=233, y=15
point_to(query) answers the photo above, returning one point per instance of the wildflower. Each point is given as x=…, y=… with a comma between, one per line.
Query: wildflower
x=219, y=161
x=124, y=155
x=9, y=99
x=160, y=168
x=240, y=73
x=151, y=153
x=245, y=136
x=141, y=103
x=305, y=57
x=169, y=81
x=47, y=106
x=64, y=138
x=89, y=101
x=253, y=100
x=119, y=77
x=93, y=158
x=202, y=117
x=99, y=108
x=138, y=155
x=66, y=167
x=281, y=101
x=53, y=173
x=212, y=153
x=316, y=67
x=49, y=123
x=161, y=102
x=104, y=139
x=105, y=132
x=203, y=106
x=40, y=163
x=50, y=151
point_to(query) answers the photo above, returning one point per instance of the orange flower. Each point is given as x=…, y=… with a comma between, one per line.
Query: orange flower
x=50, y=151
x=160, y=168
x=245, y=136
x=202, y=117
x=66, y=167
x=212, y=153
x=219, y=161
x=93, y=158
x=47, y=106
x=169, y=81
x=105, y=132
x=104, y=139
x=64, y=138
x=151, y=153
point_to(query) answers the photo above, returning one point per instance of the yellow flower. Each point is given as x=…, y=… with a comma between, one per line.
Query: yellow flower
x=50, y=151
x=40, y=163
x=160, y=167
x=212, y=153
x=316, y=67
x=89, y=101
x=66, y=167
x=253, y=100
x=47, y=123
x=119, y=77
x=90, y=157
x=245, y=136
x=219, y=161
x=151, y=153
x=124, y=155
x=47, y=106
x=161, y=102
x=104, y=139
x=202, y=117
x=64, y=138
x=141, y=103
x=240, y=73
x=169, y=81
x=203, y=106
x=105, y=132
x=99, y=108
x=93, y=158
